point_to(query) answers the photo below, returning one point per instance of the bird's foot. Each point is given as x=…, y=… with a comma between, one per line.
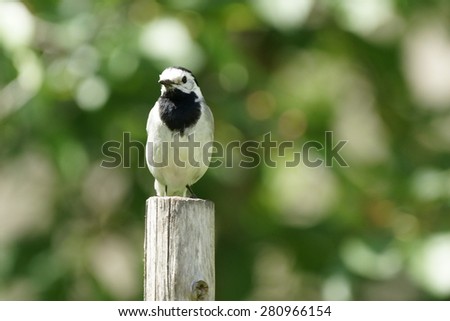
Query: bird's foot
x=189, y=188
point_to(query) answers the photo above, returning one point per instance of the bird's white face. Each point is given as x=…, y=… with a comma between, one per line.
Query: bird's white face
x=175, y=78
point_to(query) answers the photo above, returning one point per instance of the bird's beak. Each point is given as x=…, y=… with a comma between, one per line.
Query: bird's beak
x=166, y=82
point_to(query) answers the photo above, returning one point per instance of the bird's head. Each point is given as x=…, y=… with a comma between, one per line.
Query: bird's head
x=179, y=78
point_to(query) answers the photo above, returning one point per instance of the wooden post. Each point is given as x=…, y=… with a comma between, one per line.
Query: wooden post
x=179, y=249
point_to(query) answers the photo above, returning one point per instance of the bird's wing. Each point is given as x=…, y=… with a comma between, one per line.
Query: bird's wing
x=152, y=148
x=209, y=117
x=153, y=119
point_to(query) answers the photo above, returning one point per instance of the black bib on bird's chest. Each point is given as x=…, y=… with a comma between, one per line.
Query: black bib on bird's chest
x=179, y=110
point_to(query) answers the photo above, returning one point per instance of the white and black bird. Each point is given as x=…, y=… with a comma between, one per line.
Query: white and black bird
x=180, y=117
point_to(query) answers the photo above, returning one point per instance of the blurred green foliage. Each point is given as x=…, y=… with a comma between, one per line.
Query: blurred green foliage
x=76, y=74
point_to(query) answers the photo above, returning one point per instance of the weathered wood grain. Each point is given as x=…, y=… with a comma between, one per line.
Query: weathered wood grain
x=179, y=249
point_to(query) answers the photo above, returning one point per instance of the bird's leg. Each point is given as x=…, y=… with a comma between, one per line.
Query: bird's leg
x=165, y=187
x=191, y=191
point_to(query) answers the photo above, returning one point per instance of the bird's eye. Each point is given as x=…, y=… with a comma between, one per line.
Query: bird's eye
x=184, y=79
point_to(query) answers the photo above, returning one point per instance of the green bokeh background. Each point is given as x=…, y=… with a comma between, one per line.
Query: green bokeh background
x=376, y=73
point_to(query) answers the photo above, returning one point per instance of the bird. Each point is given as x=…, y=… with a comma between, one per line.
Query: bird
x=180, y=129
